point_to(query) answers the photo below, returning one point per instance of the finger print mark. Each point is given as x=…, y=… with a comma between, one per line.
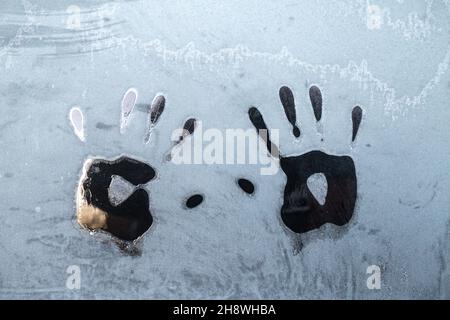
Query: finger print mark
x=194, y=201
x=287, y=100
x=257, y=120
x=316, y=101
x=356, y=120
x=246, y=185
x=77, y=122
x=128, y=102
x=156, y=110
x=188, y=129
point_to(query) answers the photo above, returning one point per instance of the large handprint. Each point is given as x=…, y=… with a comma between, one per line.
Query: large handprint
x=301, y=211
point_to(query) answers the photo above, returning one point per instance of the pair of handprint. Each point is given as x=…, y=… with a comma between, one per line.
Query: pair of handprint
x=301, y=211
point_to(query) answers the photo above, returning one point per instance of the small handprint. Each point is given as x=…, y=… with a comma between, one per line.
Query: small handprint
x=128, y=220
x=124, y=213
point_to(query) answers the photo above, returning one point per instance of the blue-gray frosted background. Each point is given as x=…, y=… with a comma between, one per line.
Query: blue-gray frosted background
x=212, y=60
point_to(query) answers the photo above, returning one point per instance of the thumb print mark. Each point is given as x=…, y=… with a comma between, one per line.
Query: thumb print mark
x=246, y=185
x=194, y=201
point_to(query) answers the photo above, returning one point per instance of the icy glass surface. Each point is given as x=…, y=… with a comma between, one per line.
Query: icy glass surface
x=77, y=80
